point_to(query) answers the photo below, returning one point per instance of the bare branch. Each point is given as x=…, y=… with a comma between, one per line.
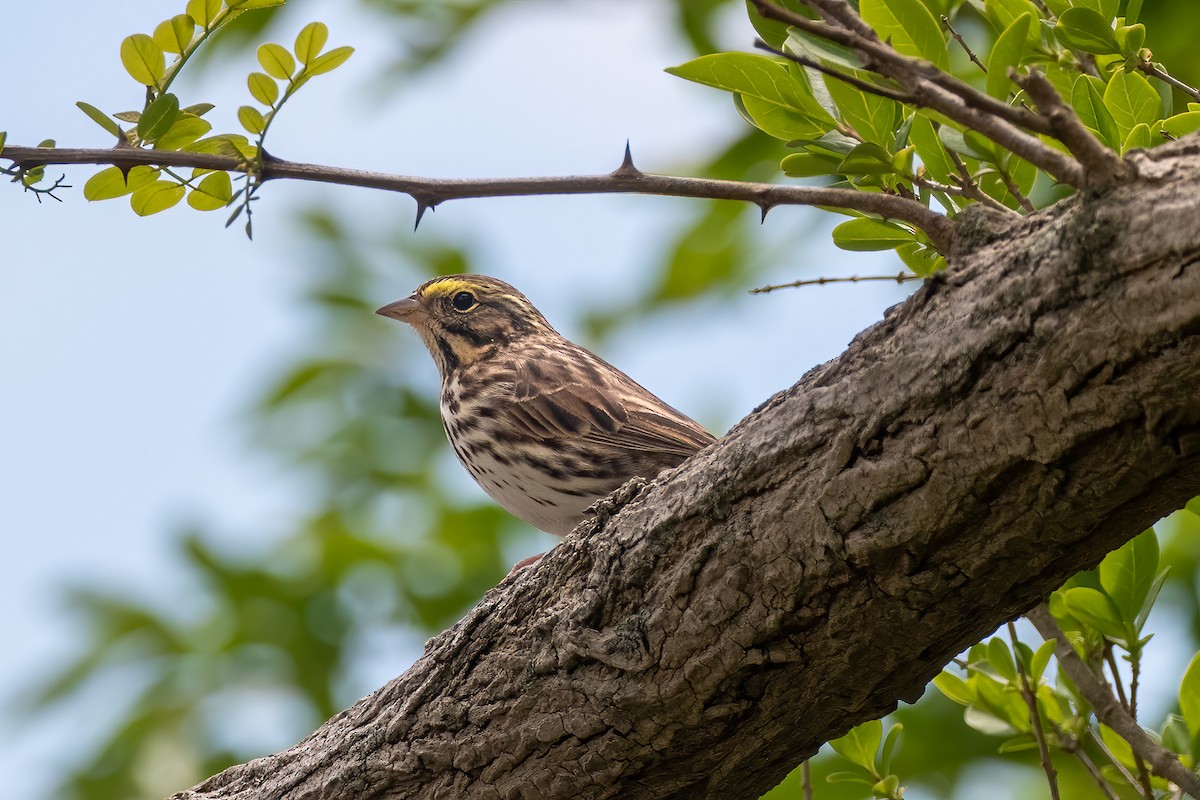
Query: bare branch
x=1158, y=72
x=429, y=192
x=1102, y=167
x=963, y=44
x=899, y=277
x=1109, y=710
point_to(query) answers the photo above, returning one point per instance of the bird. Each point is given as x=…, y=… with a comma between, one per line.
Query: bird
x=545, y=427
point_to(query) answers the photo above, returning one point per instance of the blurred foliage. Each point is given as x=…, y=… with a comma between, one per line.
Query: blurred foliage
x=383, y=547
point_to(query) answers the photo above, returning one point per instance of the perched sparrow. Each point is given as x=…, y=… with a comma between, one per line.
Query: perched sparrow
x=545, y=427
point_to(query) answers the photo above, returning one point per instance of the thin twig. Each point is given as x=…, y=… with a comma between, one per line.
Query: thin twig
x=1158, y=72
x=1112, y=759
x=1094, y=771
x=1015, y=190
x=1119, y=685
x=1102, y=167
x=971, y=188
x=899, y=277
x=844, y=77
x=1035, y=719
x=963, y=44
x=1108, y=710
x=806, y=779
x=429, y=192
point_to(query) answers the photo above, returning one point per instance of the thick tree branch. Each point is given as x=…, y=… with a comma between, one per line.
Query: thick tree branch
x=430, y=192
x=1109, y=710
x=1015, y=419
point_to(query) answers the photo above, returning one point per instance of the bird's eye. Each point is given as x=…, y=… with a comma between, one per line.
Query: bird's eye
x=463, y=301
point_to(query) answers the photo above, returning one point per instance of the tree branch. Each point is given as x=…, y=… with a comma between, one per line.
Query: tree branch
x=1016, y=418
x=1109, y=710
x=430, y=192
x=931, y=88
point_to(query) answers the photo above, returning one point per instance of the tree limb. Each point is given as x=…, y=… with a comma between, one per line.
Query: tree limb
x=1015, y=419
x=430, y=192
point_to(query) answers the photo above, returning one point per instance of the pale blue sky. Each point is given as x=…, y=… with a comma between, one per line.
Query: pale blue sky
x=125, y=376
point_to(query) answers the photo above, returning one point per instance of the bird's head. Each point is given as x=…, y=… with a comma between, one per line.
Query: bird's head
x=463, y=318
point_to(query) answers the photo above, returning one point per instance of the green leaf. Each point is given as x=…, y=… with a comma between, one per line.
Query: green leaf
x=158, y=117
x=867, y=159
x=1003, y=13
x=263, y=88
x=1189, y=696
x=327, y=62
x=1117, y=745
x=849, y=777
x=921, y=259
x=276, y=61
x=860, y=744
x=252, y=119
x=806, y=44
x=807, y=165
x=310, y=40
x=233, y=145
x=911, y=28
x=100, y=118
x=1130, y=38
x=1181, y=125
x=1084, y=29
x=3, y=139
x=1001, y=659
x=199, y=109
x=1127, y=573
x=215, y=191
x=778, y=100
x=874, y=118
x=889, y=744
x=1095, y=608
x=1132, y=11
x=870, y=234
x=954, y=688
x=1092, y=110
x=1007, y=52
x=1132, y=100
x=187, y=129
x=175, y=34
x=1041, y=659
x=158, y=196
x=1106, y=9
x=204, y=11
x=143, y=59
x=105, y=185
x=930, y=149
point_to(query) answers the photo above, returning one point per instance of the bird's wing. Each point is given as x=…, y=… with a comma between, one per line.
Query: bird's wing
x=579, y=398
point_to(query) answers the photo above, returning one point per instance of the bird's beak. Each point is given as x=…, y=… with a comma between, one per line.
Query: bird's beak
x=406, y=310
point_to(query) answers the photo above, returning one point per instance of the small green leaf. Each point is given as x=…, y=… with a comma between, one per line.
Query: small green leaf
x=1107, y=9
x=889, y=744
x=1001, y=659
x=807, y=165
x=930, y=149
x=1132, y=100
x=327, y=62
x=263, y=88
x=921, y=259
x=214, y=191
x=1132, y=11
x=1092, y=110
x=1181, y=125
x=233, y=145
x=199, y=109
x=105, y=185
x=252, y=119
x=3, y=139
x=886, y=787
x=1189, y=696
x=158, y=196
x=860, y=744
x=955, y=688
x=873, y=117
x=129, y=116
x=143, y=59
x=175, y=34
x=1041, y=659
x=1117, y=745
x=158, y=117
x=1007, y=52
x=1095, y=608
x=867, y=159
x=1127, y=573
x=849, y=777
x=910, y=26
x=187, y=129
x=1130, y=38
x=774, y=98
x=100, y=118
x=1084, y=29
x=204, y=11
x=276, y=61
x=310, y=40
x=870, y=234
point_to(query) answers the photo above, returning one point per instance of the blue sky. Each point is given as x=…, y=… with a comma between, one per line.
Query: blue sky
x=125, y=377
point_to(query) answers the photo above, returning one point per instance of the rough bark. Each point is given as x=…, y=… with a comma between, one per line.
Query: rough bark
x=1015, y=419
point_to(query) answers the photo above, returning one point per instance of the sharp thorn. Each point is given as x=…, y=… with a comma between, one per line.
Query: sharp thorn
x=627, y=167
x=764, y=207
x=422, y=207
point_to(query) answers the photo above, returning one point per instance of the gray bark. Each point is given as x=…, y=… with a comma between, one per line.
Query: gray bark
x=1015, y=419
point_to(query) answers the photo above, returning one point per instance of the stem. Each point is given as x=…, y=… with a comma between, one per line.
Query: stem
x=1035, y=719
x=1094, y=771
x=806, y=779
x=1160, y=73
x=899, y=277
x=963, y=44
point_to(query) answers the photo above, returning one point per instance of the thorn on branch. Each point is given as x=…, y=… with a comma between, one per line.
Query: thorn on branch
x=627, y=168
x=963, y=44
x=422, y=207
